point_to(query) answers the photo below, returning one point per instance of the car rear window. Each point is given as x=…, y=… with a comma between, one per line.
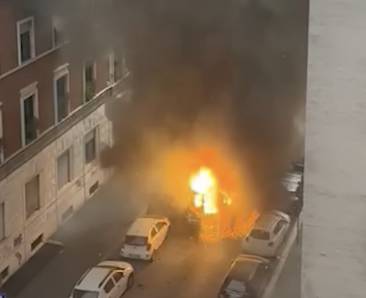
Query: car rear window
x=242, y=271
x=259, y=234
x=136, y=240
x=84, y=294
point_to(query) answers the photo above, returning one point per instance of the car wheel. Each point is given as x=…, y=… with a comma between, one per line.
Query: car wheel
x=130, y=281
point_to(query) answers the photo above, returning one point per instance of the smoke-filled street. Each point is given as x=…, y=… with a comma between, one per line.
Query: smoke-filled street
x=200, y=102
x=182, y=267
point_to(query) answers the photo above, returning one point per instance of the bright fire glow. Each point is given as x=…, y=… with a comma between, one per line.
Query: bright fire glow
x=204, y=185
x=220, y=215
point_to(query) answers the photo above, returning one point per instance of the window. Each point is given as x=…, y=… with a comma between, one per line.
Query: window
x=2, y=221
x=18, y=240
x=29, y=113
x=84, y=294
x=37, y=242
x=26, y=43
x=64, y=169
x=153, y=232
x=92, y=189
x=58, y=34
x=259, y=234
x=89, y=75
x=117, y=276
x=136, y=240
x=278, y=227
x=4, y=274
x=160, y=225
x=61, y=93
x=109, y=286
x=90, y=146
x=116, y=67
x=32, y=196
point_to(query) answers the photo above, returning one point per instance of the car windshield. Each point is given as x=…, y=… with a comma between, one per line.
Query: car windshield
x=259, y=234
x=84, y=294
x=136, y=240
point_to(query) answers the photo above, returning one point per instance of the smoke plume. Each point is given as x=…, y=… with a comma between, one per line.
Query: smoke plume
x=227, y=74
x=230, y=71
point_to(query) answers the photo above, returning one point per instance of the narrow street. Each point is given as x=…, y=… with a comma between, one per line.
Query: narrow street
x=182, y=267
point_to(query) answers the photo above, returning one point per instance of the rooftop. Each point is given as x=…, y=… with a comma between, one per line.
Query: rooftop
x=141, y=226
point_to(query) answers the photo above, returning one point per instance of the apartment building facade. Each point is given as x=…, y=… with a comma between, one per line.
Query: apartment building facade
x=53, y=127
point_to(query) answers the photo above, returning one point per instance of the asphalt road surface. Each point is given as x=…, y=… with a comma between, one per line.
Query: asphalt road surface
x=182, y=267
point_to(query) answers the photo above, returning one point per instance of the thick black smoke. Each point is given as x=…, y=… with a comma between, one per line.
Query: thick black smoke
x=240, y=64
x=243, y=62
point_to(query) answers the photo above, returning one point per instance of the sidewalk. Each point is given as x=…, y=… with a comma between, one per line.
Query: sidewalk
x=84, y=240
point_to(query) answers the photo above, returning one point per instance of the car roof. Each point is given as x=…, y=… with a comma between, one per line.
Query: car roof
x=245, y=266
x=154, y=216
x=267, y=220
x=94, y=278
x=251, y=258
x=142, y=226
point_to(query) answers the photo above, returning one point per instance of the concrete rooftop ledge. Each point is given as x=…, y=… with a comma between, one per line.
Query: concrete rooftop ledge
x=334, y=239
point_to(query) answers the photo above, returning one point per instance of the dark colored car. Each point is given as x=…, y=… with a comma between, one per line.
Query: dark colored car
x=247, y=277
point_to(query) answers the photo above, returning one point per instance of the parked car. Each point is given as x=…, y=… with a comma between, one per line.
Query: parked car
x=292, y=181
x=267, y=234
x=247, y=277
x=294, y=185
x=109, y=279
x=144, y=237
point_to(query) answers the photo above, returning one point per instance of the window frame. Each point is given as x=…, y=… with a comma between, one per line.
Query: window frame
x=111, y=68
x=39, y=205
x=25, y=93
x=110, y=279
x=55, y=21
x=117, y=272
x=153, y=232
x=96, y=137
x=32, y=40
x=68, y=151
x=85, y=64
x=280, y=224
x=60, y=72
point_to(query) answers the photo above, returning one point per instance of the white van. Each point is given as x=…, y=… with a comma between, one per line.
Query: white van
x=144, y=237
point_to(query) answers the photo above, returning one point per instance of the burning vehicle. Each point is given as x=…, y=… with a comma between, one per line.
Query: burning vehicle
x=212, y=213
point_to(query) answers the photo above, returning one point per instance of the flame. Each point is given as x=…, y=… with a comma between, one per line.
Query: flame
x=204, y=185
x=221, y=215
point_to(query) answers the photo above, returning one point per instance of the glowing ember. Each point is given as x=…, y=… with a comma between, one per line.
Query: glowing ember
x=204, y=185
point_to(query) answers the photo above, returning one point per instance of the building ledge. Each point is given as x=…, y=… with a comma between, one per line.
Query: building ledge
x=31, y=61
x=26, y=153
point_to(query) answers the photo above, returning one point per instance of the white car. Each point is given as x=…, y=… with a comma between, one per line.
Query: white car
x=267, y=235
x=109, y=279
x=292, y=182
x=144, y=237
